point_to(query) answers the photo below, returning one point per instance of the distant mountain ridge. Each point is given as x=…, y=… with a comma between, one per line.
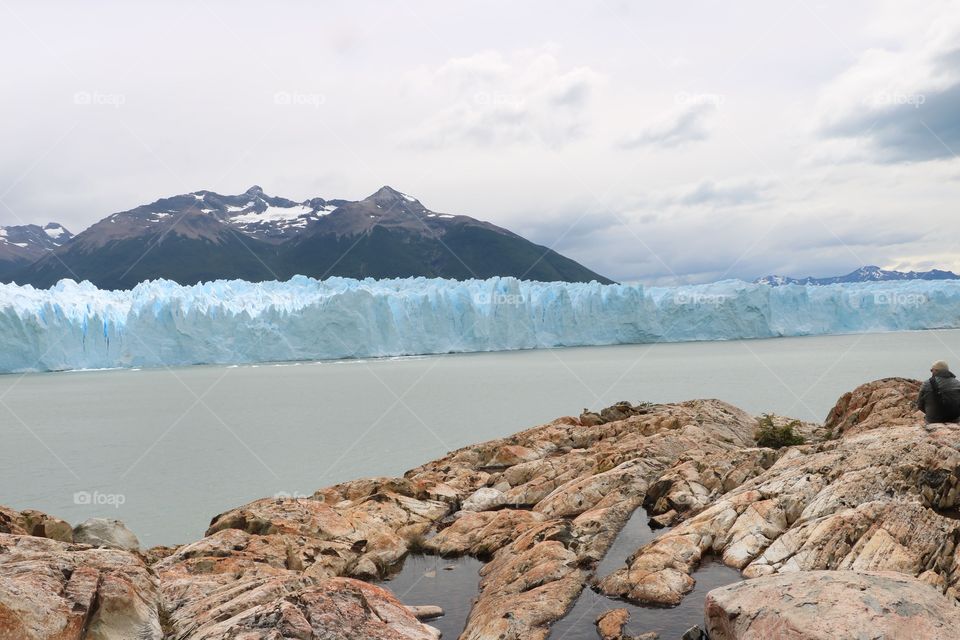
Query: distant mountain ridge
x=23, y=244
x=204, y=236
x=869, y=273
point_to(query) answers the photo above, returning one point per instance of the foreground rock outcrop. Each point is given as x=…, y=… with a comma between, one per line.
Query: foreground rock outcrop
x=542, y=507
x=874, y=500
x=889, y=402
x=873, y=489
x=831, y=605
x=34, y=523
x=53, y=590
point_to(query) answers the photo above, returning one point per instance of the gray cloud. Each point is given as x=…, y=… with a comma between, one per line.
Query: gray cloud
x=911, y=113
x=711, y=193
x=687, y=125
x=908, y=132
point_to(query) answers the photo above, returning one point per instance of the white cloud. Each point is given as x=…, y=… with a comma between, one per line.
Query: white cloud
x=493, y=98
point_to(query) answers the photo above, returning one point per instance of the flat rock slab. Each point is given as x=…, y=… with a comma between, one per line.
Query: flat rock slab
x=831, y=605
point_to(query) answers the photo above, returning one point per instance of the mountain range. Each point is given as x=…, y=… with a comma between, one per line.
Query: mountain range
x=23, y=244
x=203, y=236
x=869, y=273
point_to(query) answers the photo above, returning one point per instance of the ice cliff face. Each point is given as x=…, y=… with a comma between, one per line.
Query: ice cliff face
x=160, y=323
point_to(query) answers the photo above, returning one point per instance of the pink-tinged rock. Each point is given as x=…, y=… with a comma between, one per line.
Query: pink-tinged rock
x=482, y=533
x=611, y=623
x=598, y=490
x=831, y=605
x=284, y=515
x=889, y=402
x=51, y=590
x=30, y=522
x=869, y=501
x=333, y=609
x=511, y=454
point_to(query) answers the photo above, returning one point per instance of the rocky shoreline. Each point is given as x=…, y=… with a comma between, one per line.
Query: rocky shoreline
x=852, y=531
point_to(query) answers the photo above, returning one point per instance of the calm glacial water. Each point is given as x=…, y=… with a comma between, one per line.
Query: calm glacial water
x=167, y=449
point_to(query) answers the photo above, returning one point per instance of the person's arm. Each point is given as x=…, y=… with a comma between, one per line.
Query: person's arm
x=922, y=397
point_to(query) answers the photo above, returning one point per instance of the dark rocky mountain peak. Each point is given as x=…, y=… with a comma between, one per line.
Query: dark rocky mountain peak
x=255, y=236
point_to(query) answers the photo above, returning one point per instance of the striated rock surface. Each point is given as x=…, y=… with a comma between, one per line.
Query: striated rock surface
x=873, y=500
x=888, y=402
x=831, y=605
x=52, y=590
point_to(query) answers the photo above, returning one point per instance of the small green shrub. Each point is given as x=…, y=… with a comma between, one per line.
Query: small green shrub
x=773, y=436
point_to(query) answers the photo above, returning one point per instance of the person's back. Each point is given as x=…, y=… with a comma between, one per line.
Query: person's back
x=939, y=397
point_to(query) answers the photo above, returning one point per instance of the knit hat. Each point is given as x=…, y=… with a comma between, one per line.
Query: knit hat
x=939, y=366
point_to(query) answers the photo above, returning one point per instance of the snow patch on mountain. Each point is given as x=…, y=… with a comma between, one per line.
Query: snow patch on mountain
x=273, y=214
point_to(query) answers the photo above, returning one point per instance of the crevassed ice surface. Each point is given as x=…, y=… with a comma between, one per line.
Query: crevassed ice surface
x=161, y=323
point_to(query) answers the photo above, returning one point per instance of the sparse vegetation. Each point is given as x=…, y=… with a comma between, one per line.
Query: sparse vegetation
x=775, y=436
x=417, y=542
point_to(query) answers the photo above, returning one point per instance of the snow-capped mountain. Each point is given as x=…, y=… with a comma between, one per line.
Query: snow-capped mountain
x=204, y=236
x=22, y=244
x=869, y=273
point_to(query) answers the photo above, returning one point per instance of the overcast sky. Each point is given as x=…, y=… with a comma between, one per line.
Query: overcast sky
x=655, y=141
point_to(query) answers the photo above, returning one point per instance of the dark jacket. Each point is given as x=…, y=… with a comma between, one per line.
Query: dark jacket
x=927, y=400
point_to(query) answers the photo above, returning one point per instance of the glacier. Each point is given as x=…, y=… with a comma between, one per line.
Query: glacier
x=161, y=323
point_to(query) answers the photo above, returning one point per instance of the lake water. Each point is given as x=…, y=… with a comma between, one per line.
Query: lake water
x=166, y=449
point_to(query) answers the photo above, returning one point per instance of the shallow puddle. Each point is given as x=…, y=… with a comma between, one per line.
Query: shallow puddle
x=671, y=622
x=450, y=583
x=453, y=584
